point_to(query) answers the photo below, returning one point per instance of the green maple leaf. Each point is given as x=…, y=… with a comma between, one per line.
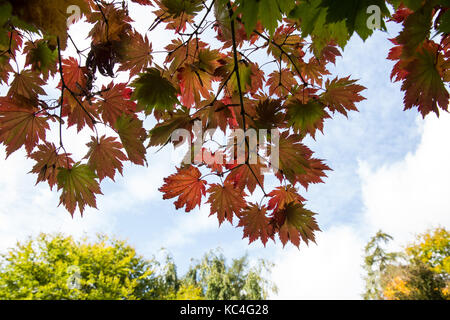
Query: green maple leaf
x=354, y=13
x=153, y=91
x=306, y=118
x=266, y=11
x=161, y=133
x=41, y=57
x=132, y=135
x=299, y=224
x=313, y=22
x=79, y=186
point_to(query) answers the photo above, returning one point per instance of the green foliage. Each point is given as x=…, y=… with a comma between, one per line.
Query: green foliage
x=238, y=281
x=420, y=272
x=55, y=267
x=58, y=267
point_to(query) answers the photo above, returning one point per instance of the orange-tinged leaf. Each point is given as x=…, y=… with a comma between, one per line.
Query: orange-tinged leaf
x=281, y=196
x=137, y=55
x=248, y=176
x=256, y=224
x=75, y=76
x=187, y=186
x=226, y=201
x=295, y=224
x=114, y=103
x=342, y=94
x=48, y=162
x=79, y=187
x=26, y=86
x=423, y=85
x=281, y=84
x=105, y=157
x=21, y=127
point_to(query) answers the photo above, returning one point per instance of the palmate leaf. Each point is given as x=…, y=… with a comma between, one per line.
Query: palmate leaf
x=138, y=54
x=21, y=127
x=306, y=118
x=354, y=13
x=48, y=162
x=114, y=103
x=187, y=186
x=41, y=58
x=282, y=196
x=132, y=135
x=26, y=87
x=226, y=201
x=256, y=224
x=341, y=95
x=295, y=223
x=424, y=86
x=161, y=134
x=105, y=157
x=152, y=91
x=78, y=187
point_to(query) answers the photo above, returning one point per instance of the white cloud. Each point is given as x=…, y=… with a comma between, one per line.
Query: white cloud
x=329, y=270
x=409, y=196
x=403, y=198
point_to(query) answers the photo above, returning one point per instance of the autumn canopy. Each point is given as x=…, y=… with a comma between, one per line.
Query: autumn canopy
x=269, y=72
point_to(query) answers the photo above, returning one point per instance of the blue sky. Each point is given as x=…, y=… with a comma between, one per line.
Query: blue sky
x=390, y=172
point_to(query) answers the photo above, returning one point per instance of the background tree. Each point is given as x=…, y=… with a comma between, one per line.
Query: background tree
x=420, y=272
x=262, y=65
x=238, y=281
x=54, y=267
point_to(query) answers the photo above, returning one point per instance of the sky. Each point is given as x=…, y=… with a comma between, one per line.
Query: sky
x=390, y=172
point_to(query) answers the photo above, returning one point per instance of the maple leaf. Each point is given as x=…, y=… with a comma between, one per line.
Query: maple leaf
x=295, y=223
x=268, y=115
x=342, y=94
x=132, y=135
x=306, y=118
x=50, y=17
x=162, y=132
x=137, y=54
x=152, y=91
x=249, y=176
x=114, y=103
x=187, y=186
x=75, y=76
x=26, y=87
x=423, y=85
x=256, y=224
x=112, y=29
x=41, y=58
x=105, y=157
x=79, y=187
x=226, y=201
x=293, y=157
x=196, y=77
x=314, y=173
x=282, y=196
x=48, y=162
x=80, y=115
x=416, y=30
x=355, y=14
x=216, y=115
x=282, y=83
x=177, y=13
x=21, y=127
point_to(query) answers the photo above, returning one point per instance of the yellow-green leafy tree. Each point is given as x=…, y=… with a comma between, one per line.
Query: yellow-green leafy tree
x=420, y=272
x=55, y=267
